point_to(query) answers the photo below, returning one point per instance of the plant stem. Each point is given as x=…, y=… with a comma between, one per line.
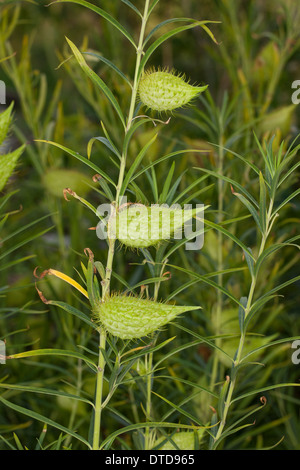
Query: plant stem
x=149, y=366
x=111, y=247
x=243, y=334
x=139, y=55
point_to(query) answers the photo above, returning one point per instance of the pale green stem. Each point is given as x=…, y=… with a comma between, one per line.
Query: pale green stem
x=111, y=248
x=99, y=391
x=242, y=338
x=149, y=366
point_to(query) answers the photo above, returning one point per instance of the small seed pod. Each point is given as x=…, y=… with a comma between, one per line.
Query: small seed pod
x=140, y=226
x=165, y=91
x=129, y=317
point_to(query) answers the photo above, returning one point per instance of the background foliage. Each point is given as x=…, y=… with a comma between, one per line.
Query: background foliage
x=250, y=73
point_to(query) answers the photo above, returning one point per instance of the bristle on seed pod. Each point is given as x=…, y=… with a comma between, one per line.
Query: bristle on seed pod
x=165, y=91
x=129, y=317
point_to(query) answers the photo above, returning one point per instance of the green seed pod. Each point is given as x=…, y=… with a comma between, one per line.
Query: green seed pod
x=140, y=226
x=165, y=91
x=129, y=317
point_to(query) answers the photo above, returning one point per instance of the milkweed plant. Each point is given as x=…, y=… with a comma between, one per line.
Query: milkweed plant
x=132, y=322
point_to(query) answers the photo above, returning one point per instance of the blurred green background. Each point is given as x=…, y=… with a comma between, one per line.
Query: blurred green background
x=250, y=74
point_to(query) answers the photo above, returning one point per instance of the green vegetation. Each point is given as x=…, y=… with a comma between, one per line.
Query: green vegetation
x=134, y=340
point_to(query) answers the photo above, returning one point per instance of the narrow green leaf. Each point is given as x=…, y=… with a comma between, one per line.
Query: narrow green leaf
x=177, y=153
x=231, y=236
x=24, y=242
x=207, y=341
x=152, y=6
x=104, y=141
x=234, y=427
x=288, y=199
x=288, y=173
x=80, y=158
x=208, y=281
x=262, y=203
x=268, y=162
x=22, y=228
x=222, y=398
x=233, y=183
x=194, y=281
x=272, y=249
x=110, y=64
x=41, y=100
x=213, y=423
x=251, y=209
x=188, y=382
x=41, y=438
x=132, y=130
x=73, y=311
x=6, y=266
x=8, y=163
x=164, y=23
x=163, y=38
x=264, y=389
x=53, y=352
x=258, y=304
x=180, y=410
x=268, y=345
x=18, y=443
x=133, y=7
x=241, y=313
x=135, y=164
x=44, y=391
x=5, y=122
x=250, y=261
x=228, y=433
x=110, y=140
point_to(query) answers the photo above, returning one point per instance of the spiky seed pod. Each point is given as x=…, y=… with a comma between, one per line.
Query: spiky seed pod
x=184, y=440
x=140, y=226
x=129, y=317
x=165, y=91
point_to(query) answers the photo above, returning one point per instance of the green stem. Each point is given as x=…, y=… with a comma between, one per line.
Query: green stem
x=149, y=366
x=99, y=391
x=239, y=351
x=111, y=247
